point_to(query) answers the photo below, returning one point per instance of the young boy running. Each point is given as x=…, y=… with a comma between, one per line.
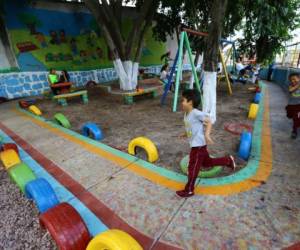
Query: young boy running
x=194, y=121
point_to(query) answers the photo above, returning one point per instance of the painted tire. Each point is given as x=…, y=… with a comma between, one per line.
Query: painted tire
x=7, y=146
x=253, y=110
x=66, y=227
x=245, y=145
x=62, y=120
x=202, y=174
x=115, y=240
x=257, y=98
x=92, y=128
x=9, y=158
x=21, y=174
x=42, y=193
x=35, y=110
x=147, y=145
x=24, y=104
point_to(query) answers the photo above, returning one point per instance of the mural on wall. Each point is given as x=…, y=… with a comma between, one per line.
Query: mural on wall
x=44, y=38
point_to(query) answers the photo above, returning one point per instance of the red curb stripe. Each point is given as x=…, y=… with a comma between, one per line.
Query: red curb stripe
x=105, y=214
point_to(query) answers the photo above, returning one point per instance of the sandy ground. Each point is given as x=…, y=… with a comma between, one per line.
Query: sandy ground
x=19, y=224
x=120, y=123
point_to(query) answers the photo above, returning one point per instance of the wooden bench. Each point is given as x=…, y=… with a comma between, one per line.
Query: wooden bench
x=62, y=99
x=129, y=97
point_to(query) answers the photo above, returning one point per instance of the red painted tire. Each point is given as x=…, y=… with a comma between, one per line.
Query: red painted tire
x=7, y=146
x=66, y=227
x=24, y=104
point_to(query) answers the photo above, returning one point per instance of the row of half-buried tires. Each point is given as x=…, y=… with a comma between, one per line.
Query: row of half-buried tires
x=62, y=220
x=246, y=136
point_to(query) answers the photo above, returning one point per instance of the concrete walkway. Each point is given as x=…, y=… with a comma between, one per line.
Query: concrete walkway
x=267, y=217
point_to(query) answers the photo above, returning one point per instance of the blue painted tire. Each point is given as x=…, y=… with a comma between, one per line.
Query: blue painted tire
x=245, y=145
x=91, y=128
x=42, y=193
x=257, y=97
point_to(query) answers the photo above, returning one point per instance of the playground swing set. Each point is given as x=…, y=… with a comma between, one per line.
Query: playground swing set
x=184, y=41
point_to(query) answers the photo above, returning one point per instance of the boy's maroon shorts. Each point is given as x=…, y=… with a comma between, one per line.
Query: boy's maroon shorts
x=293, y=112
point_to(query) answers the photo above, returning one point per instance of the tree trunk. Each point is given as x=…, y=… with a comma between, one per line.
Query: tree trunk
x=127, y=52
x=211, y=57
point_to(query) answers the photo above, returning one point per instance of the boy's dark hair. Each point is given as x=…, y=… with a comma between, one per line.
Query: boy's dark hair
x=192, y=95
x=50, y=70
x=294, y=74
x=164, y=67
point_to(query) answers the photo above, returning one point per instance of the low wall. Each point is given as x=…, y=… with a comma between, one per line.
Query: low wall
x=21, y=84
x=280, y=76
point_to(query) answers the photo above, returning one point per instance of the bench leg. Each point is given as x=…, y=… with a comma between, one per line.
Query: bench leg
x=154, y=94
x=62, y=102
x=128, y=100
x=85, y=99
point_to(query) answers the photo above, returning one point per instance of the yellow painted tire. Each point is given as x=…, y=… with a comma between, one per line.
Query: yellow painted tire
x=35, y=110
x=113, y=239
x=9, y=158
x=147, y=145
x=253, y=110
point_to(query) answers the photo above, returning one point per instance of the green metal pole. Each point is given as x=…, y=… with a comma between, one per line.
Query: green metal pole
x=179, y=69
x=193, y=66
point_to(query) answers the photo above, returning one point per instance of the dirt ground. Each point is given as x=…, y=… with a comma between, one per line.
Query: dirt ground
x=19, y=224
x=120, y=123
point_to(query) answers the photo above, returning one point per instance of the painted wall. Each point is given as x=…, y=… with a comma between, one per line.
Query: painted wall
x=63, y=36
x=21, y=84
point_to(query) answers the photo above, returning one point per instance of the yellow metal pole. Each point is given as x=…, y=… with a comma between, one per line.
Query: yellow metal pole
x=225, y=71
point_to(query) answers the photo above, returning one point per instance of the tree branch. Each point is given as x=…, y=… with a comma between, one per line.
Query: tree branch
x=147, y=5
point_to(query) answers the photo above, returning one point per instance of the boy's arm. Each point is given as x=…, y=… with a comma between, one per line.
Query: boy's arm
x=293, y=88
x=208, y=129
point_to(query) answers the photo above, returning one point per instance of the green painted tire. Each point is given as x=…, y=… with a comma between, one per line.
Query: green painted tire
x=202, y=174
x=21, y=174
x=62, y=120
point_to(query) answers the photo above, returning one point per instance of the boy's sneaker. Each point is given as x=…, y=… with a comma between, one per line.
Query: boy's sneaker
x=232, y=163
x=294, y=135
x=184, y=193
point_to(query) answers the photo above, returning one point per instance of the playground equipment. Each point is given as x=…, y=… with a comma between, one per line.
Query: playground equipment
x=253, y=110
x=42, y=193
x=62, y=99
x=62, y=120
x=178, y=63
x=203, y=173
x=291, y=55
x=237, y=128
x=66, y=227
x=245, y=145
x=21, y=174
x=91, y=128
x=113, y=239
x=35, y=110
x=257, y=98
x=7, y=146
x=130, y=97
x=9, y=158
x=147, y=145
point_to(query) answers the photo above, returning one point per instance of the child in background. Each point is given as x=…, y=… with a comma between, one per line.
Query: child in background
x=293, y=107
x=194, y=121
x=164, y=73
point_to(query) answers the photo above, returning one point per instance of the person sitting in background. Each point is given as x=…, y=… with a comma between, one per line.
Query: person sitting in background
x=64, y=76
x=54, y=79
x=164, y=73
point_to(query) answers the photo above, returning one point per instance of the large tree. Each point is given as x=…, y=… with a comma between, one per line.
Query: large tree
x=267, y=26
x=125, y=47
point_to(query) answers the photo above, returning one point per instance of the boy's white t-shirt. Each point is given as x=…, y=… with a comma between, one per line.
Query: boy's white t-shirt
x=239, y=66
x=194, y=127
x=163, y=75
